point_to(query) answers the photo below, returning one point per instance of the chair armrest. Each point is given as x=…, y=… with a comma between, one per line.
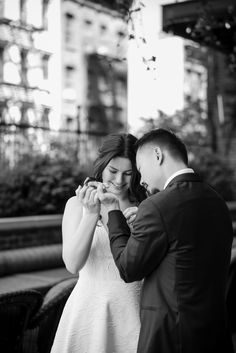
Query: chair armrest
x=55, y=297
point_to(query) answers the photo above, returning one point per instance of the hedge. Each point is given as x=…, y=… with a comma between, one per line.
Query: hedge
x=38, y=185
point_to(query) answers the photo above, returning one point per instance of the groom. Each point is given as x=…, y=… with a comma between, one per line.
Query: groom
x=180, y=245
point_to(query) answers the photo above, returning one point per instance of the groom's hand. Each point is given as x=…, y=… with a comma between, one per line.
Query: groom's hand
x=130, y=214
x=109, y=200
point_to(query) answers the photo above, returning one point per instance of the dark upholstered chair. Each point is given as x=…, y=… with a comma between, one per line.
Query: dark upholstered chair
x=44, y=323
x=16, y=309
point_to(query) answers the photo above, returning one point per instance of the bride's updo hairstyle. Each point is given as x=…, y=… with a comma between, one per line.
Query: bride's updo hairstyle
x=120, y=145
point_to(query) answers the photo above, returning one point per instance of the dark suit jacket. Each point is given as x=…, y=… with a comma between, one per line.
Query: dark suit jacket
x=181, y=246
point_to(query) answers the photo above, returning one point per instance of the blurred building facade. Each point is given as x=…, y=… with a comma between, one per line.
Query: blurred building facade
x=195, y=77
x=26, y=92
x=211, y=25
x=94, y=71
x=24, y=62
x=62, y=67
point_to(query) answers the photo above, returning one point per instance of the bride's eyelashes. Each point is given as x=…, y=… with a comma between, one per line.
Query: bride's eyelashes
x=112, y=171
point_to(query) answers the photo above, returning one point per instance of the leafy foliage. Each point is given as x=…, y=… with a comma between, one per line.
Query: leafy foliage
x=193, y=129
x=188, y=124
x=38, y=185
x=215, y=171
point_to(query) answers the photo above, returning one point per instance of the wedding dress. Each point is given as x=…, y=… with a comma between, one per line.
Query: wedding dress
x=102, y=312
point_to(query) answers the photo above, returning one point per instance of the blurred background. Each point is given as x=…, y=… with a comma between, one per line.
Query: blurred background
x=72, y=71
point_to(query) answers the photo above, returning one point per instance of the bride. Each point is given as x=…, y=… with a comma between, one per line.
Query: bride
x=102, y=312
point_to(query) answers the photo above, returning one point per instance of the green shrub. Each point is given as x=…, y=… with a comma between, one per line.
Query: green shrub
x=38, y=185
x=215, y=171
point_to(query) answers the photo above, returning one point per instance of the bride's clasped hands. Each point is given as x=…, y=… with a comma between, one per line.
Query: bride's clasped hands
x=108, y=199
x=93, y=193
x=87, y=195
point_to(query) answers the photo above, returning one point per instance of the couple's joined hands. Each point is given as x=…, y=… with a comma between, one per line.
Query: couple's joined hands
x=93, y=193
x=130, y=214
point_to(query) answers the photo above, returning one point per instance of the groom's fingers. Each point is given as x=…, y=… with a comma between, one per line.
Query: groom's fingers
x=130, y=211
x=131, y=219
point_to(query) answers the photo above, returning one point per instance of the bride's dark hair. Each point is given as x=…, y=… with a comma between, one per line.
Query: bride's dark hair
x=120, y=145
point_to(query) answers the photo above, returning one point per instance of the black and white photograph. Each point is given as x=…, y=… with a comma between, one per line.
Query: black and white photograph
x=117, y=176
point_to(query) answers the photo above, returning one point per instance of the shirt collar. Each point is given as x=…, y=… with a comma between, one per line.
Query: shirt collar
x=179, y=172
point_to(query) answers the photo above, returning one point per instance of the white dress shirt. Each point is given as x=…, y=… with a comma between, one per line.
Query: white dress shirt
x=179, y=172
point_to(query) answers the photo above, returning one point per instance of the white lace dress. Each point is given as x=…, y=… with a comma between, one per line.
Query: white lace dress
x=102, y=312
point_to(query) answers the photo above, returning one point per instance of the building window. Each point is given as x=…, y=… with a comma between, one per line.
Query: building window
x=69, y=76
x=24, y=66
x=69, y=122
x=3, y=108
x=121, y=34
x=34, y=13
x=45, y=117
x=45, y=59
x=1, y=62
x=88, y=22
x=45, y=14
x=10, y=9
x=24, y=116
x=69, y=23
x=23, y=12
x=14, y=113
x=106, y=94
x=103, y=28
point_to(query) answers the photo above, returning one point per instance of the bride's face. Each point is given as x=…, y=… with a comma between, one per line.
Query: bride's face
x=118, y=175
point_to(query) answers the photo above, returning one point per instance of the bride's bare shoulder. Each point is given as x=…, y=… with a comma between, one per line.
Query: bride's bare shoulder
x=73, y=203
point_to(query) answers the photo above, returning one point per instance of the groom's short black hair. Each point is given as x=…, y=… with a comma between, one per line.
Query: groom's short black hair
x=165, y=139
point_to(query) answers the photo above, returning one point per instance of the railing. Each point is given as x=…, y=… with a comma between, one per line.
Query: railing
x=31, y=253
x=17, y=264
x=23, y=232
x=47, y=221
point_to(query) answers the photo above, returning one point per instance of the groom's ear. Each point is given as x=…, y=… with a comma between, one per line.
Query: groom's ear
x=158, y=154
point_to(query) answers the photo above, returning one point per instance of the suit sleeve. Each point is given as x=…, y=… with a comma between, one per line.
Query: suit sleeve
x=137, y=254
